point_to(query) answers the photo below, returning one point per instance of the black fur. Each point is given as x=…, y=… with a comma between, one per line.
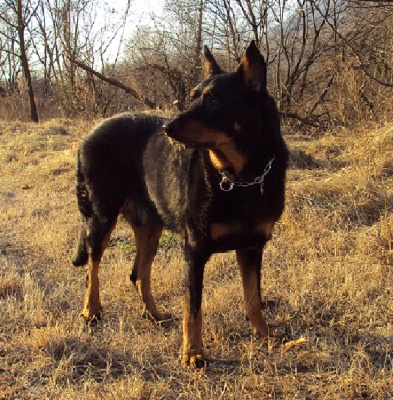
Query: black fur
x=128, y=165
x=110, y=173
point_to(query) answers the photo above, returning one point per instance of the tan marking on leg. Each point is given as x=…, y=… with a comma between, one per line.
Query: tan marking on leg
x=252, y=303
x=192, y=340
x=252, y=300
x=92, y=309
x=146, y=240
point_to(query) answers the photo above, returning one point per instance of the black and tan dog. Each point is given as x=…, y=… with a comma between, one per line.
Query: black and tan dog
x=224, y=191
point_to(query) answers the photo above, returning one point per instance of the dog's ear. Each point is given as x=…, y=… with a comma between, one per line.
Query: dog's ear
x=253, y=68
x=211, y=66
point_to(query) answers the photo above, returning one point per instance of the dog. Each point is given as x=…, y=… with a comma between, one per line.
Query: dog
x=215, y=174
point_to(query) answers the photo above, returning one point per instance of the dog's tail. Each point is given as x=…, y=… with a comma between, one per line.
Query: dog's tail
x=82, y=192
x=84, y=204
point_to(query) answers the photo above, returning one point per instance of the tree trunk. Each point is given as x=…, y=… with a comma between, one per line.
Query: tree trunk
x=25, y=63
x=198, y=49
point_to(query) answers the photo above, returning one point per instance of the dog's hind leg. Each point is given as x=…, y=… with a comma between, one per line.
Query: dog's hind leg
x=98, y=235
x=250, y=261
x=146, y=240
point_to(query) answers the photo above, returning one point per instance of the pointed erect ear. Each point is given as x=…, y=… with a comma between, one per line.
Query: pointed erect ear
x=211, y=66
x=253, y=68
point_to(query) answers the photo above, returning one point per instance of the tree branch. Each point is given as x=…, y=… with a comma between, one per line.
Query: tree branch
x=305, y=121
x=362, y=66
x=114, y=82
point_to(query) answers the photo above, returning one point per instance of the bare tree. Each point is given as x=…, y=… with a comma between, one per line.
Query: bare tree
x=372, y=24
x=17, y=16
x=24, y=15
x=308, y=45
x=319, y=53
x=86, y=31
x=166, y=59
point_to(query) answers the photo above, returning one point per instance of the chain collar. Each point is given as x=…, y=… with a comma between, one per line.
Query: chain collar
x=227, y=183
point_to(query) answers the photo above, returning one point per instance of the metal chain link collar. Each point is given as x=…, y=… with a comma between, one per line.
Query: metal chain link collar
x=227, y=183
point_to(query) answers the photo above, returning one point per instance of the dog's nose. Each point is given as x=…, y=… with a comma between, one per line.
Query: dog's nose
x=170, y=127
x=166, y=128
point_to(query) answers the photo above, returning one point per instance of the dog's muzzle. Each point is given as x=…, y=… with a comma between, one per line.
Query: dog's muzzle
x=170, y=128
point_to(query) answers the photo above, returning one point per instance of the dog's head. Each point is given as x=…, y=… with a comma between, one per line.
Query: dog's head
x=227, y=112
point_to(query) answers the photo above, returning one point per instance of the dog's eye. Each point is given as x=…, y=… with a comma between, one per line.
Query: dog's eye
x=214, y=101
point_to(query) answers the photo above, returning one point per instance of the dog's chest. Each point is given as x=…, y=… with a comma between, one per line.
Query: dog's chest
x=229, y=236
x=241, y=222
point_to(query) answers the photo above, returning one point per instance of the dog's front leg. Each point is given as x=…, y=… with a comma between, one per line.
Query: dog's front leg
x=250, y=262
x=192, y=320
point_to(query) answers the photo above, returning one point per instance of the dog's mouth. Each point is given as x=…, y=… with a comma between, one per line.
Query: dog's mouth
x=189, y=144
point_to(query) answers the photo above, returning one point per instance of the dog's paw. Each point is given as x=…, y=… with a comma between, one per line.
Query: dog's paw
x=276, y=334
x=193, y=361
x=270, y=333
x=274, y=339
x=91, y=319
x=156, y=316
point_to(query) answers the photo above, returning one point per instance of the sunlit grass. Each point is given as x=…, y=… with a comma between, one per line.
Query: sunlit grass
x=327, y=278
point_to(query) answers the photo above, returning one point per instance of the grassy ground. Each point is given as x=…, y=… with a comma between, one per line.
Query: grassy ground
x=327, y=278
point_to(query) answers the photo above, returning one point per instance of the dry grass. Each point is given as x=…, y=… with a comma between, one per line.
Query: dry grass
x=327, y=277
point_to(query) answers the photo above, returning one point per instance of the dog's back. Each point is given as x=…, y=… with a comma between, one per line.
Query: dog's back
x=110, y=172
x=111, y=155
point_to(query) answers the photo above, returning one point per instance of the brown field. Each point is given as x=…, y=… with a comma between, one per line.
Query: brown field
x=327, y=279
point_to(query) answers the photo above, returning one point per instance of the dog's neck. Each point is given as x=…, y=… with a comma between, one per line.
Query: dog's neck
x=228, y=158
